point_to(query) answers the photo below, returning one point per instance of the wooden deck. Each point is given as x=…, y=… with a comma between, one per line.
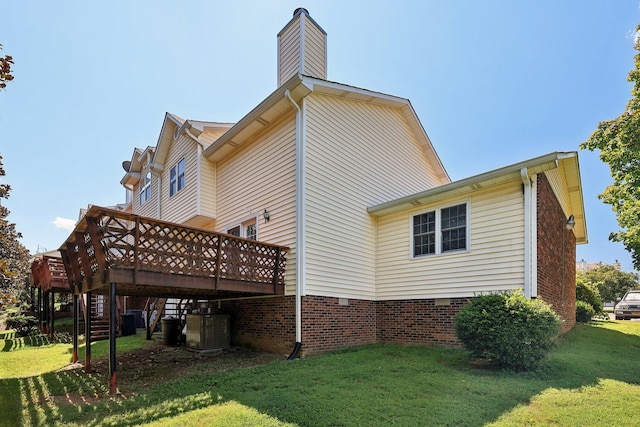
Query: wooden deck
x=47, y=273
x=147, y=257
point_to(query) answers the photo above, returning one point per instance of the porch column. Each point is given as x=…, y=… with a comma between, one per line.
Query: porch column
x=112, y=338
x=74, y=359
x=87, y=334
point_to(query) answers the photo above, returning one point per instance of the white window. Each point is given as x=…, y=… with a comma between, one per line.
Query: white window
x=176, y=178
x=247, y=229
x=440, y=230
x=145, y=188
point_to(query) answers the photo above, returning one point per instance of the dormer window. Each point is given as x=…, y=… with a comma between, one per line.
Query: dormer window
x=145, y=188
x=176, y=178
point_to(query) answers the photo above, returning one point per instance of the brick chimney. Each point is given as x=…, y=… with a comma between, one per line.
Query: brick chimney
x=302, y=48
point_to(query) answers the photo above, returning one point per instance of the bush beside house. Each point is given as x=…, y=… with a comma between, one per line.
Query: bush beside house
x=508, y=329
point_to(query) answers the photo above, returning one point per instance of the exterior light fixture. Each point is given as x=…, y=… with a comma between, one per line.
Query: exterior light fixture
x=266, y=216
x=570, y=222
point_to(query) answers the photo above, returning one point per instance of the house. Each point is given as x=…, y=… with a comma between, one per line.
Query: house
x=383, y=246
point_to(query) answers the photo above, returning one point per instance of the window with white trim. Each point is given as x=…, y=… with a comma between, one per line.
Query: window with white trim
x=440, y=230
x=176, y=178
x=145, y=188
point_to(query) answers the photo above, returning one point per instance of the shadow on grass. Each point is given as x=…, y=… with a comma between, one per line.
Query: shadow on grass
x=374, y=385
x=13, y=342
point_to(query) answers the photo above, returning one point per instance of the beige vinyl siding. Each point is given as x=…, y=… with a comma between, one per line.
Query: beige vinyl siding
x=262, y=176
x=150, y=207
x=494, y=261
x=289, y=52
x=207, y=184
x=182, y=205
x=315, y=52
x=358, y=155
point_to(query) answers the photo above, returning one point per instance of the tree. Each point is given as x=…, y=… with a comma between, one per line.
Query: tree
x=14, y=257
x=5, y=69
x=618, y=141
x=610, y=282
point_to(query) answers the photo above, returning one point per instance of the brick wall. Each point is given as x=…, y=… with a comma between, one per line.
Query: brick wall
x=555, y=286
x=333, y=323
x=263, y=323
x=418, y=321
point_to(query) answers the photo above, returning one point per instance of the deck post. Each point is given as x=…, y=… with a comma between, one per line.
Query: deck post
x=87, y=334
x=112, y=338
x=45, y=313
x=53, y=314
x=39, y=310
x=148, y=316
x=75, y=328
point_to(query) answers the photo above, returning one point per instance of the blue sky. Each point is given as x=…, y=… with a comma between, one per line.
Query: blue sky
x=493, y=82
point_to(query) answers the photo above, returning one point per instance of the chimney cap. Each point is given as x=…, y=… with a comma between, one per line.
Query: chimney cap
x=298, y=10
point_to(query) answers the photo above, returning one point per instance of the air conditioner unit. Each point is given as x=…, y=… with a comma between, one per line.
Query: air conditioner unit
x=208, y=332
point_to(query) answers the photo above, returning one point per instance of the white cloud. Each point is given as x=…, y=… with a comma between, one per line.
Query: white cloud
x=67, y=224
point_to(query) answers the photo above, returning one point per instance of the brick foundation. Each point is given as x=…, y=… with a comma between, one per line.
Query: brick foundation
x=333, y=323
x=418, y=321
x=263, y=324
x=556, y=277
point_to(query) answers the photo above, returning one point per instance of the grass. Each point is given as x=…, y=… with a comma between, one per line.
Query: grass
x=592, y=378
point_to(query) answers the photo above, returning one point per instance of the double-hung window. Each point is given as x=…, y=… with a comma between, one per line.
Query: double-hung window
x=440, y=230
x=145, y=188
x=176, y=178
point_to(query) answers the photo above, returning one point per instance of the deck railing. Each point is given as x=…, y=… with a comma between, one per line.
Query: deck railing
x=107, y=240
x=48, y=272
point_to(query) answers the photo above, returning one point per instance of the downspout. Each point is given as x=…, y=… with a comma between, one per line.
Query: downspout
x=534, y=236
x=524, y=175
x=300, y=228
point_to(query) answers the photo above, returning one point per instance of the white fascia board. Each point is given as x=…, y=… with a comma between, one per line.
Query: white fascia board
x=269, y=102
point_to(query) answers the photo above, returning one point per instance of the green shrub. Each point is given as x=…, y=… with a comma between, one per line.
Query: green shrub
x=590, y=295
x=22, y=324
x=584, y=312
x=508, y=329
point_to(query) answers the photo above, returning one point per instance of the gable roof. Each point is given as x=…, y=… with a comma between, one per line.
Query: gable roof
x=204, y=133
x=299, y=86
x=169, y=125
x=565, y=162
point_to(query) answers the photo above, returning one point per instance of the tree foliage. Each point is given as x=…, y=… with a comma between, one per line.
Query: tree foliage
x=610, y=282
x=588, y=293
x=14, y=257
x=618, y=141
x=6, y=75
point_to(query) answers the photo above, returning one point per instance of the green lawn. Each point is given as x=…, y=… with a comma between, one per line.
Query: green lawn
x=591, y=379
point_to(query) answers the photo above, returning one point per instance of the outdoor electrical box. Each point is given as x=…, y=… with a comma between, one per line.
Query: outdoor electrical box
x=208, y=331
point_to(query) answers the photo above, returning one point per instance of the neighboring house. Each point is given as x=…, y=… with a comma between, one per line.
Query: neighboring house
x=383, y=246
